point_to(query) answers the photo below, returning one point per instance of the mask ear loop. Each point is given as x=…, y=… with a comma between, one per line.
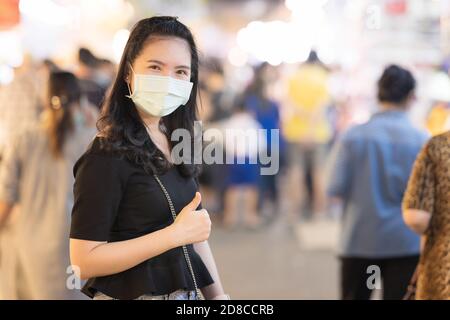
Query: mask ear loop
x=128, y=84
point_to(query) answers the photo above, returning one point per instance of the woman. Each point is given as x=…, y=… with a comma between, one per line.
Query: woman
x=267, y=113
x=426, y=210
x=123, y=237
x=36, y=174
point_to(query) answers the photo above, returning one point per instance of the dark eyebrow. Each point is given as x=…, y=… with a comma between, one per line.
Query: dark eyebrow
x=156, y=61
x=162, y=63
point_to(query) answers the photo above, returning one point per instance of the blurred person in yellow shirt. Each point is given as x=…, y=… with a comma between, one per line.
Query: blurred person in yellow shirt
x=307, y=128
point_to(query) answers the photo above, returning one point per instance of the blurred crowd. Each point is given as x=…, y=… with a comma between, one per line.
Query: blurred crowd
x=48, y=117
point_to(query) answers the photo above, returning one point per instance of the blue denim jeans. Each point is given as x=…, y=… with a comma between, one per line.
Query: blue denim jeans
x=176, y=295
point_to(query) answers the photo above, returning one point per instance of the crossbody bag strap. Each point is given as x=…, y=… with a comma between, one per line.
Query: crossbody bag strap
x=185, y=251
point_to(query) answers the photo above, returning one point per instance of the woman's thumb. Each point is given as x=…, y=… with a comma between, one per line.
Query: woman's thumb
x=195, y=202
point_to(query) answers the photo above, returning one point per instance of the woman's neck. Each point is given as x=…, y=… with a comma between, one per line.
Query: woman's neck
x=151, y=122
x=156, y=135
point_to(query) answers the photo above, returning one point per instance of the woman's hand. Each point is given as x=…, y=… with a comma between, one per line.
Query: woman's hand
x=417, y=220
x=191, y=225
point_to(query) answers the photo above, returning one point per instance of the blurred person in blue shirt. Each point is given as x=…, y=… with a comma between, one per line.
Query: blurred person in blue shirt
x=369, y=171
x=243, y=147
x=267, y=112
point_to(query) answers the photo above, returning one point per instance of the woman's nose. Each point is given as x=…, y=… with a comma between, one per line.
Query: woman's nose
x=170, y=72
x=166, y=73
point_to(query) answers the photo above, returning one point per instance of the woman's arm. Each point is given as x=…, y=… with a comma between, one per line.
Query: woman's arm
x=94, y=259
x=419, y=199
x=423, y=240
x=215, y=290
x=417, y=220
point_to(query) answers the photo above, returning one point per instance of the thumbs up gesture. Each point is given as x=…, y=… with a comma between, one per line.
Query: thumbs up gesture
x=191, y=225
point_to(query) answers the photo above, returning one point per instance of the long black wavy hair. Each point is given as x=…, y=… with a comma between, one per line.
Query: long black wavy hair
x=120, y=126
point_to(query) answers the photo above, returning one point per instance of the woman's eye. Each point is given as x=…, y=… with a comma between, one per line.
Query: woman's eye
x=155, y=67
x=182, y=72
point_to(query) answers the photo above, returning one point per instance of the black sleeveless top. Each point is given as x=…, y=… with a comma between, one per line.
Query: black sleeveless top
x=115, y=200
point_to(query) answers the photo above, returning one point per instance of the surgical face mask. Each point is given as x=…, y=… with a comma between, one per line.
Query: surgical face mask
x=159, y=95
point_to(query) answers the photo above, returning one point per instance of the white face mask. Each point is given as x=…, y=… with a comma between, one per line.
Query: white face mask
x=159, y=95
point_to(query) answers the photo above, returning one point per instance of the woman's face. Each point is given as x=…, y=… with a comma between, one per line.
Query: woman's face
x=163, y=56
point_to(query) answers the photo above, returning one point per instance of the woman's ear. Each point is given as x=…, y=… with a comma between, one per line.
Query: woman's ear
x=127, y=79
x=127, y=73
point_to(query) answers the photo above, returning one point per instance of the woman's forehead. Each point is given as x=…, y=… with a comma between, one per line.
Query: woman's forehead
x=170, y=50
